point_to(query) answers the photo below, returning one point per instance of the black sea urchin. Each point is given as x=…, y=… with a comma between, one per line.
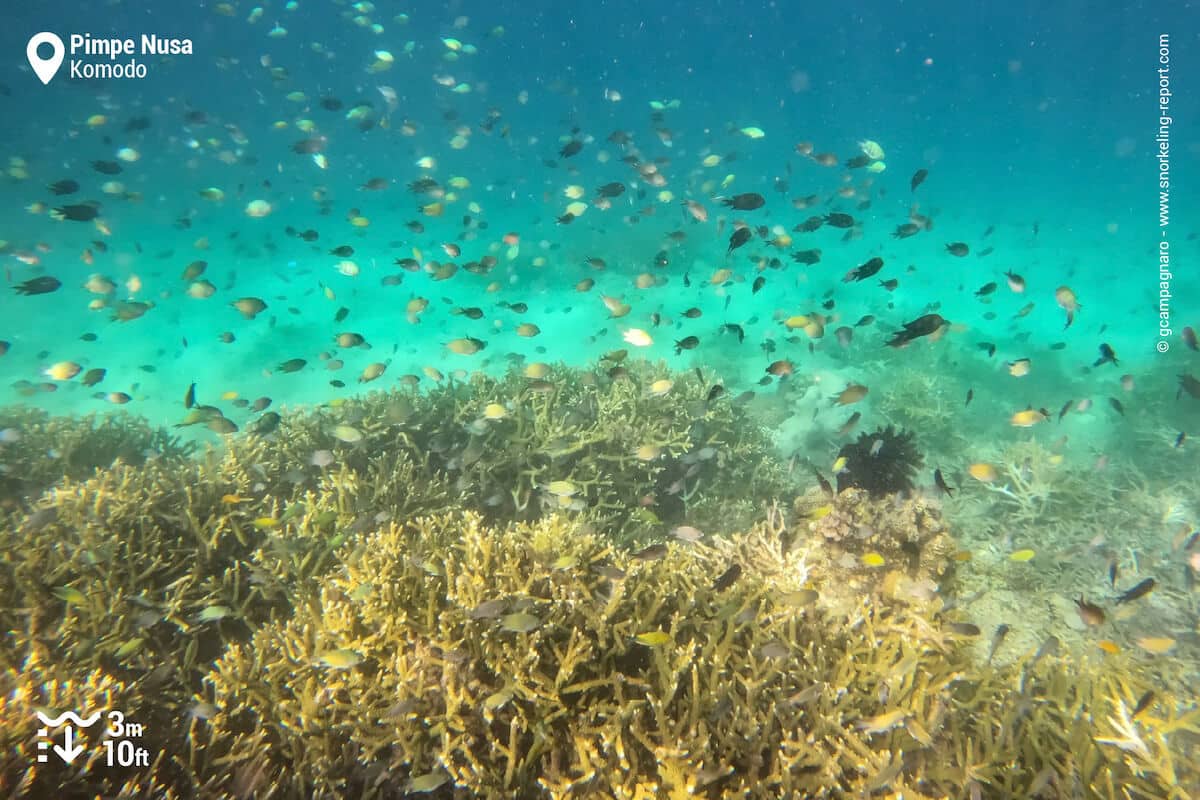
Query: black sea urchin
x=882, y=463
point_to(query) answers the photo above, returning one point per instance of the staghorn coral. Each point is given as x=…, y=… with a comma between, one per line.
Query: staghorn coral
x=354, y=646
x=405, y=675
x=40, y=450
x=142, y=575
x=635, y=460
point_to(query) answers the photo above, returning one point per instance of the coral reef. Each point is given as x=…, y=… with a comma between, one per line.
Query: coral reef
x=906, y=533
x=534, y=661
x=384, y=596
x=37, y=450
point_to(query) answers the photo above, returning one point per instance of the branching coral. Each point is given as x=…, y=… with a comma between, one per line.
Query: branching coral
x=528, y=662
x=38, y=450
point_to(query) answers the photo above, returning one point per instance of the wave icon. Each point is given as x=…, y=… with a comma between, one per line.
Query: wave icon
x=68, y=716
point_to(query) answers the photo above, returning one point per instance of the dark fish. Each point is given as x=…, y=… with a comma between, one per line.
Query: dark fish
x=1187, y=383
x=1112, y=573
x=890, y=284
x=716, y=391
x=941, y=483
x=921, y=326
x=959, y=249
x=43, y=285
x=343, y=251
x=93, y=376
x=735, y=329
x=864, y=271
x=79, y=212
x=809, y=225
x=759, y=282
x=808, y=257
x=107, y=167
x=739, y=238
x=1179, y=440
x=997, y=638
x=63, y=187
x=744, y=202
x=189, y=397
x=970, y=397
x=727, y=577
x=865, y=320
x=686, y=343
x=906, y=230
x=1066, y=407
x=652, y=553
x=988, y=347
x=838, y=220
x=571, y=148
x=1141, y=590
x=613, y=189
x=1107, y=356
x=330, y=103
x=691, y=313
x=918, y=178
x=292, y=365
x=341, y=314
x=986, y=289
x=1116, y=404
x=265, y=424
x=1143, y=703
x=1189, y=338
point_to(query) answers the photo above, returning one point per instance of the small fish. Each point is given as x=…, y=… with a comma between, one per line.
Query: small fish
x=1090, y=614
x=1107, y=356
x=1067, y=301
x=873, y=560
x=519, y=622
x=654, y=552
x=997, y=638
x=1140, y=590
x=1015, y=282
x=882, y=722
x=344, y=658
x=1143, y=703
x=727, y=577
x=917, y=179
x=970, y=397
x=653, y=638
x=1117, y=406
x=940, y=482
x=1112, y=573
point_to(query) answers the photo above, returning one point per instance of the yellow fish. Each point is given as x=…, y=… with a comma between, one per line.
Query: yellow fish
x=1027, y=418
x=1156, y=644
x=1021, y=555
x=653, y=638
x=982, y=472
x=873, y=560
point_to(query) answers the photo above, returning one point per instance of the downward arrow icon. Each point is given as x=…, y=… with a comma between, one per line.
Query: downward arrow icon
x=68, y=753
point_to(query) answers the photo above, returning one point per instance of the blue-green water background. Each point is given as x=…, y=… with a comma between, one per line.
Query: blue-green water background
x=1024, y=114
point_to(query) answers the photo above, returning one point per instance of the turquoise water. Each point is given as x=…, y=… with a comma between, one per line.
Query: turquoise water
x=1035, y=126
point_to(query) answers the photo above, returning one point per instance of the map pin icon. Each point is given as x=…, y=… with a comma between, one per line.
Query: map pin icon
x=45, y=68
